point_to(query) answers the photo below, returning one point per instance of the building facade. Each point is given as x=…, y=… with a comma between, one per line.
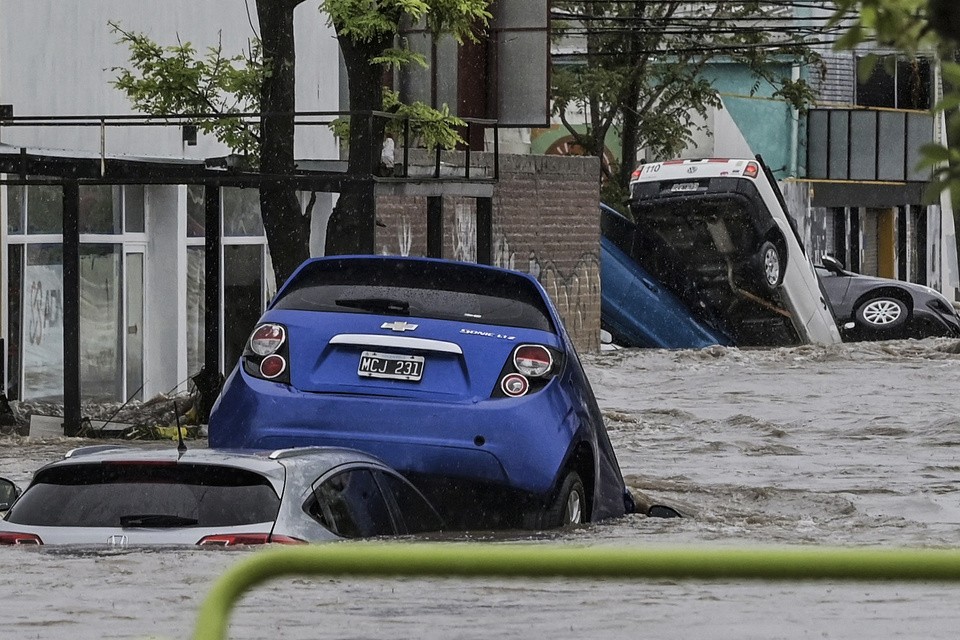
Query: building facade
x=143, y=273
x=848, y=166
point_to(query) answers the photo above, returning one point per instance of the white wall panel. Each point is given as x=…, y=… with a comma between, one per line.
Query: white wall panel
x=57, y=58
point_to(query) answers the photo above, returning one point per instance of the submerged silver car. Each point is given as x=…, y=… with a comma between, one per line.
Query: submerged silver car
x=122, y=495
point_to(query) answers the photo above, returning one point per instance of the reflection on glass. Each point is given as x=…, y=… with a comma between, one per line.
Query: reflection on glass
x=42, y=326
x=135, y=326
x=100, y=318
x=14, y=314
x=196, y=308
x=44, y=209
x=242, y=298
x=133, y=216
x=241, y=212
x=15, y=203
x=100, y=209
x=196, y=216
x=271, y=276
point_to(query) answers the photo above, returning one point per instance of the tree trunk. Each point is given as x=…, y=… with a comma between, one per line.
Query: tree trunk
x=287, y=228
x=629, y=137
x=351, y=226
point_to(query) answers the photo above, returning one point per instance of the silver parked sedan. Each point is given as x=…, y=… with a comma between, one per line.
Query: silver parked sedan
x=121, y=495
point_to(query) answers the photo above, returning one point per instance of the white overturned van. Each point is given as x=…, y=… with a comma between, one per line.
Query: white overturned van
x=717, y=231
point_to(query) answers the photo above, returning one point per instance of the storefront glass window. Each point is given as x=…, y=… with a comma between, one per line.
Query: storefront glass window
x=101, y=372
x=242, y=298
x=133, y=216
x=15, y=209
x=196, y=214
x=196, y=309
x=134, y=325
x=14, y=315
x=100, y=208
x=241, y=212
x=43, y=323
x=44, y=209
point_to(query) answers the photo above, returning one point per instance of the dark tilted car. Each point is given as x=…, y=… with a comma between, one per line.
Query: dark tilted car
x=870, y=308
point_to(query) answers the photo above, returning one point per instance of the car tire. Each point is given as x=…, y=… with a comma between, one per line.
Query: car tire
x=771, y=264
x=569, y=505
x=883, y=314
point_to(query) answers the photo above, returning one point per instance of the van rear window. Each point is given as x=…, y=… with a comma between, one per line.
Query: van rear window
x=445, y=291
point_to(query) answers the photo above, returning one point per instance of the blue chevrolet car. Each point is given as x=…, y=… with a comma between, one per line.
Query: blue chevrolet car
x=460, y=376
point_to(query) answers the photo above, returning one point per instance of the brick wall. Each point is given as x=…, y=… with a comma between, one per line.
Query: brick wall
x=545, y=222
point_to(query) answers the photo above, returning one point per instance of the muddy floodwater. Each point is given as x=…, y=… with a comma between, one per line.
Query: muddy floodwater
x=853, y=445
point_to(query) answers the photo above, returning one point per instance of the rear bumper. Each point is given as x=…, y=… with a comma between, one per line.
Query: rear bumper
x=520, y=444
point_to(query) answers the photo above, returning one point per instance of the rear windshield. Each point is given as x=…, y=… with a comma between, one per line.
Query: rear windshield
x=444, y=291
x=132, y=494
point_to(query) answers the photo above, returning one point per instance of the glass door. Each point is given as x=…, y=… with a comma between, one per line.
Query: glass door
x=134, y=323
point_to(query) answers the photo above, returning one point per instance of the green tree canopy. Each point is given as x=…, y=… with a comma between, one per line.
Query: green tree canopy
x=177, y=79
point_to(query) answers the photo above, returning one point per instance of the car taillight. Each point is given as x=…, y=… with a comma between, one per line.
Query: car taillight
x=267, y=338
x=532, y=360
x=240, y=539
x=529, y=369
x=20, y=538
x=272, y=366
x=267, y=354
x=751, y=170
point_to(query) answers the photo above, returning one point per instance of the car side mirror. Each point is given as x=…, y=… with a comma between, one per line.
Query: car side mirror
x=8, y=493
x=832, y=264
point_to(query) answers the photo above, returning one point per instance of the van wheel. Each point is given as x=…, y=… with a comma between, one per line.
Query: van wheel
x=771, y=266
x=569, y=505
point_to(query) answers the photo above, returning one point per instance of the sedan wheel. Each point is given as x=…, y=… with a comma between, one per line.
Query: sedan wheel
x=882, y=314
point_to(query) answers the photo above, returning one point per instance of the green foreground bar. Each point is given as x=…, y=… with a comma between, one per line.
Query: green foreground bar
x=541, y=561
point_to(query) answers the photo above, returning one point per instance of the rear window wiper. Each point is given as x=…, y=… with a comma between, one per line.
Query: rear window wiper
x=156, y=520
x=399, y=307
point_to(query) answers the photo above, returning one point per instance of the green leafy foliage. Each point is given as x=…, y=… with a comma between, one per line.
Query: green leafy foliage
x=930, y=27
x=369, y=20
x=429, y=127
x=177, y=80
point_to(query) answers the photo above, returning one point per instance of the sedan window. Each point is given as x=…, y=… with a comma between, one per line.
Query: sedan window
x=133, y=494
x=350, y=505
x=414, y=511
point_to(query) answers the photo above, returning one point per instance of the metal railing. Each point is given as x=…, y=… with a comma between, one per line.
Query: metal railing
x=104, y=123
x=542, y=561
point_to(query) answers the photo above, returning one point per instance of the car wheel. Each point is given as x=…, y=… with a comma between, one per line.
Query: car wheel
x=570, y=504
x=771, y=266
x=883, y=314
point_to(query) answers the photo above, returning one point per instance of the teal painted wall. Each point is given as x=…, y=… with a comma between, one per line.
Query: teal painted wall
x=766, y=123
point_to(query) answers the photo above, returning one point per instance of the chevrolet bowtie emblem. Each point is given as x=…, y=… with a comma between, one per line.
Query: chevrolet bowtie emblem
x=398, y=326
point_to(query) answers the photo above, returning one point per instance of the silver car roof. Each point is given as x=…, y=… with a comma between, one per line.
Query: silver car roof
x=256, y=460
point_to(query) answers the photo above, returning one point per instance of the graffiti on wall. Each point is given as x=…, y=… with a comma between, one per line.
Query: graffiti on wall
x=43, y=332
x=464, y=234
x=44, y=309
x=575, y=293
x=404, y=238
